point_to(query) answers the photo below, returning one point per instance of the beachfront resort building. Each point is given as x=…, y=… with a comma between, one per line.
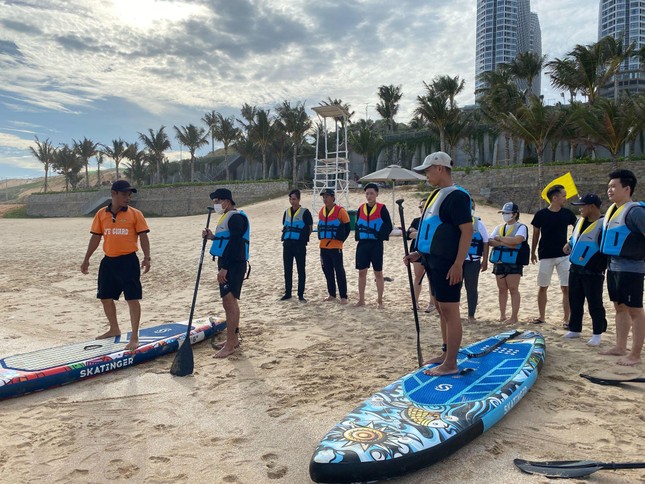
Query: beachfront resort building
x=505, y=28
x=624, y=19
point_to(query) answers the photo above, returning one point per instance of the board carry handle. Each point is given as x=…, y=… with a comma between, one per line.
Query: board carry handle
x=404, y=236
x=92, y=347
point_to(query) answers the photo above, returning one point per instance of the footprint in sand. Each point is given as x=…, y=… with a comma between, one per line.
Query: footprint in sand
x=118, y=469
x=274, y=470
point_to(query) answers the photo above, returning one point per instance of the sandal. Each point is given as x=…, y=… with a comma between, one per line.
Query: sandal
x=537, y=321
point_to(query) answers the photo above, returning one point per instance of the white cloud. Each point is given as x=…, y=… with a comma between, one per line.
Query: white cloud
x=12, y=141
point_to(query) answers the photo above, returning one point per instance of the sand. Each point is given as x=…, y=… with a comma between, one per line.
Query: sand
x=257, y=417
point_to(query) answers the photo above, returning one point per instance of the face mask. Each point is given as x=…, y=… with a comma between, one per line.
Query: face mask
x=218, y=207
x=507, y=217
x=472, y=212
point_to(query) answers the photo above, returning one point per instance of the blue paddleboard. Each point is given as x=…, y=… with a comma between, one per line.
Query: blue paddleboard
x=420, y=419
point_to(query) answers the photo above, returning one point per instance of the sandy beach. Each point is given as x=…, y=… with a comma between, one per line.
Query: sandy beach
x=256, y=417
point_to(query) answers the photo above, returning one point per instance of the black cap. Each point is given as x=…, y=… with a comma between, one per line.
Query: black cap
x=588, y=199
x=328, y=191
x=222, y=194
x=371, y=185
x=123, y=186
x=510, y=207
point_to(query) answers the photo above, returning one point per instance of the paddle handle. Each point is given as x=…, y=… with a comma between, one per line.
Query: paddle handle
x=622, y=465
x=199, y=275
x=404, y=236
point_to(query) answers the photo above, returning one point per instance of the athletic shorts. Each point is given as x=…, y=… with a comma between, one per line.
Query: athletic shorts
x=625, y=288
x=118, y=275
x=440, y=289
x=234, y=280
x=369, y=253
x=545, y=270
x=502, y=269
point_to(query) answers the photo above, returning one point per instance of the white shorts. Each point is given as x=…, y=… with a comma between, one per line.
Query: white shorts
x=545, y=270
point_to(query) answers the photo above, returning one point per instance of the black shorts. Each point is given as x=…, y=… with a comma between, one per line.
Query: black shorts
x=625, y=288
x=437, y=270
x=120, y=275
x=234, y=279
x=369, y=252
x=503, y=269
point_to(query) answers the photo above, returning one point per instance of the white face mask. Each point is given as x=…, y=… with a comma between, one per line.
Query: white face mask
x=218, y=208
x=472, y=212
x=507, y=217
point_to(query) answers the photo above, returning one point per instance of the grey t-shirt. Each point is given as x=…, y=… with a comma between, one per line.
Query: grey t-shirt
x=635, y=222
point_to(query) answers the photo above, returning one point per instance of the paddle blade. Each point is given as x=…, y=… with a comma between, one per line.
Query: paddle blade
x=563, y=469
x=184, y=363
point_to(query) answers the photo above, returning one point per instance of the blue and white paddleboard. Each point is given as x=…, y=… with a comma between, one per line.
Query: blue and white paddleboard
x=420, y=419
x=46, y=368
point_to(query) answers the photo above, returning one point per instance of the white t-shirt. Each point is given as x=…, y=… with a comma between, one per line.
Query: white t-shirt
x=522, y=231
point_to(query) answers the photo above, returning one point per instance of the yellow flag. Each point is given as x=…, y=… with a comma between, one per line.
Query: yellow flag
x=566, y=181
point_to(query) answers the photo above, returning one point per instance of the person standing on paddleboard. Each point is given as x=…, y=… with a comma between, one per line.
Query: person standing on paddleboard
x=444, y=237
x=231, y=247
x=373, y=226
x=121, y=227
x=297, y=224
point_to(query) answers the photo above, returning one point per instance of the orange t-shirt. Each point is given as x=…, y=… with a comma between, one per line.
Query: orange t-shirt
x=333, y=243
x=121, y=232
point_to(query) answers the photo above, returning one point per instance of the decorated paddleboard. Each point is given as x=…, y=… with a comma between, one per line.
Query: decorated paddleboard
x=46, y=368
x=420, y=419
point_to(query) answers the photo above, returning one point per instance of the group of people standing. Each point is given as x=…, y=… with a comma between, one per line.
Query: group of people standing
x=450, y=246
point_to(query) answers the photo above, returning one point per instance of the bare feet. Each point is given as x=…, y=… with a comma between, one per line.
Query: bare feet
x=380, y=305
x=343, y=300
x=227, y=350
x=436, y=359
x=471, y=319
x=614, y=351
x=109, y=334
x=132, y=345
x=358, y=304
x=442, y=369
x=628, y=361
x=510, y=322
x=502, y=318
x=219, y=346
x=329, y=298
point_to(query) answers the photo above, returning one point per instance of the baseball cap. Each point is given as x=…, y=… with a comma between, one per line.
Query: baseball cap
x=588, y=199
x=328, y=191
x=123, y=186
x=222, y=194
x=438, y=158
x=509, y=207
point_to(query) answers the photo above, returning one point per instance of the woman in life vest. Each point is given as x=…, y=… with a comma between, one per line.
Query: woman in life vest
x=507, y=256
x=419, y=270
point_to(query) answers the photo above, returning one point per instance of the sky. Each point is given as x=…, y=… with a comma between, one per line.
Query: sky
x=108, y=69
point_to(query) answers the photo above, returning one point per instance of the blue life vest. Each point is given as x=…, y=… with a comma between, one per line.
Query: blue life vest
x=223, y=234
x=368, y=224
x=477, y=243
x=585, y=244
x=617, y=240
x=294, y=226
x=329, y=223
x=430, y=222
x=509, y=255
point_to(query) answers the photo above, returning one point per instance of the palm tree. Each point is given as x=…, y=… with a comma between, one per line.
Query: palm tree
x=86, y=149
x=448, y=86
x=99, y=162
x=536, y=124
x=610, y=124
x=247, y=148
x=68, y=163
x=388, y=106
x=296, y=124
x=615, y=53
x=192, y=138
x=156, y=143
x=226, y=132
x=261, y=134
x=45, y=153
x=456, y=129
x=433, y=107
x=564, y=75
x=526, y=67
x=364, y=140
x=138, y=166
x=345, y=106
x=210, y=120
x=116, y=152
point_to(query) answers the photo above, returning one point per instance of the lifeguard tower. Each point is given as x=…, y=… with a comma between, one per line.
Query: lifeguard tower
x=331, y=169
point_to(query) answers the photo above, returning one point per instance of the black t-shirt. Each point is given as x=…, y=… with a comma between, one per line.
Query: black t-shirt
x=414, y=225
x=454, y=211
x=553, y=231
x=308, y=221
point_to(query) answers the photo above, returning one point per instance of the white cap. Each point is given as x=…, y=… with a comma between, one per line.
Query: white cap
x=438, y=158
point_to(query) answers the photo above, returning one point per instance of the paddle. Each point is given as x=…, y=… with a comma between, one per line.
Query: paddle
x=611, y=381
x=572, y=468
x=184, y=364
x=496, y=345
x=411, y=282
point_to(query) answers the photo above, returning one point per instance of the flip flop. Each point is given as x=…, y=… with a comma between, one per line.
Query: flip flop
x=537, y=321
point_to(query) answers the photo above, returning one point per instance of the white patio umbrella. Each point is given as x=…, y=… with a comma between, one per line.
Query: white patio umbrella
x=393, y=173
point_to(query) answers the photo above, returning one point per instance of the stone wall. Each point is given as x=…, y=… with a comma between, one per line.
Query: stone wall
x=519, y=184
x=165, y=202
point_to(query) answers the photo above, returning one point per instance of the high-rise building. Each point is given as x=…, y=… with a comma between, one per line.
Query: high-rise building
x=505, y=28
x=626, y=19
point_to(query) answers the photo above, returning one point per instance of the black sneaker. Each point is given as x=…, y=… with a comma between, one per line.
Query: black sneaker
x=285, y=297
x=302, y=300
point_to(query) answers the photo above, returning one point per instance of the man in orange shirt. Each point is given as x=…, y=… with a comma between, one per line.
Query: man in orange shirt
x=333, y=230
x=121, y=227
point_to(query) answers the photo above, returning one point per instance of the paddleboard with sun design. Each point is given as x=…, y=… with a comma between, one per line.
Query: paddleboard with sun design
x=420, y=419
